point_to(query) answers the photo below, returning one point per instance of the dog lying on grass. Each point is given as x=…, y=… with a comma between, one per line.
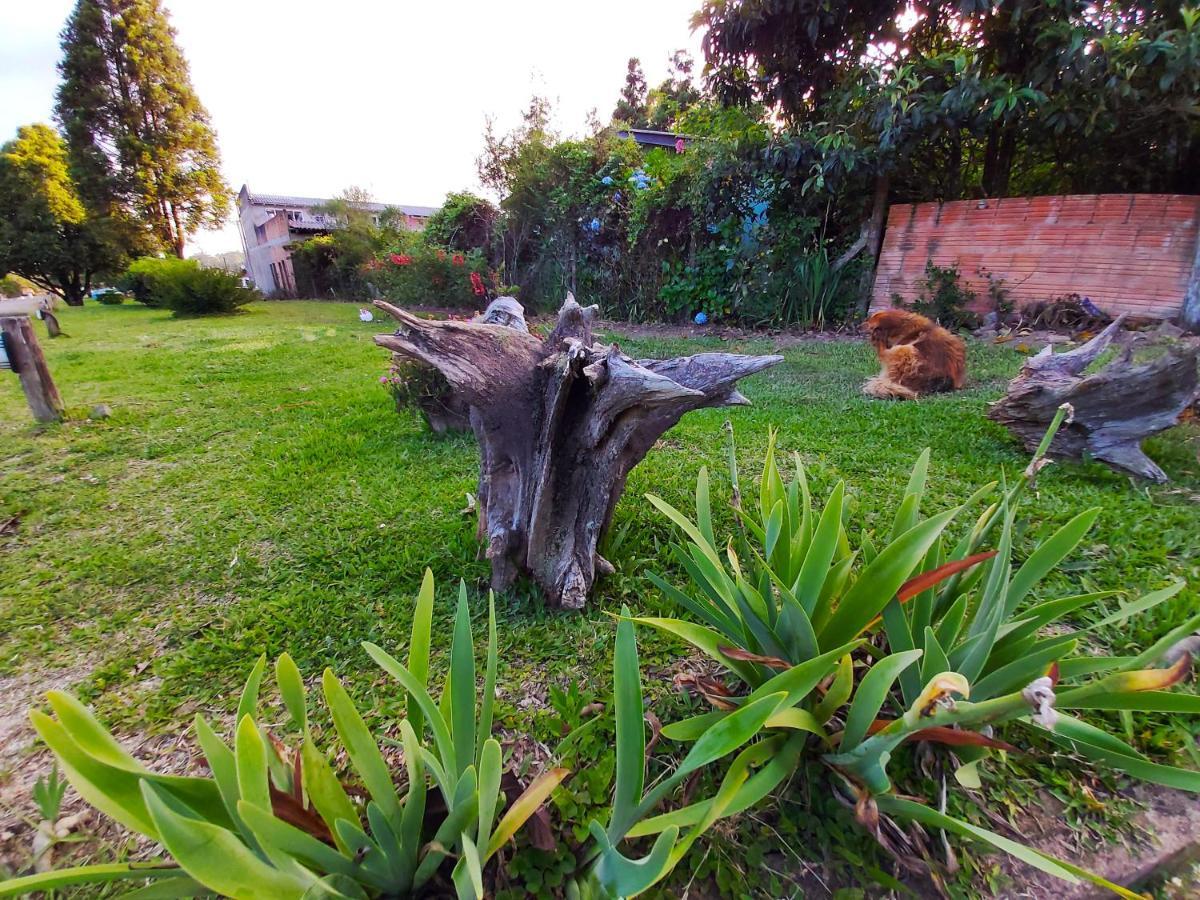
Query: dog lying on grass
x=918, y=356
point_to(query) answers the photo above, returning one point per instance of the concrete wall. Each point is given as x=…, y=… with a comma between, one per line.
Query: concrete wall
x=266, y=248
x=1129, y=253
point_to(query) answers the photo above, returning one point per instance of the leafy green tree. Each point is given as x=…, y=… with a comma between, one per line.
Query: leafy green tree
x=631, y=107
x=464, y=222
x=47, y=235
x=140, y=140
x=675, y=95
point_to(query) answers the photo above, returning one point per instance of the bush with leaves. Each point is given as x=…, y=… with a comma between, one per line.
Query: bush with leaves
x=184, y=287
x=418, y=275
x=109, y=297
x=150, y=279
x=663, y=234
x=944, y=298
x=464, y=222
x=277, y=822
x=926, y=624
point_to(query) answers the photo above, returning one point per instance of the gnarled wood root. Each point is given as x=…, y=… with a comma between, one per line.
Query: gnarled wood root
x=1114, y=409
x=560, y=424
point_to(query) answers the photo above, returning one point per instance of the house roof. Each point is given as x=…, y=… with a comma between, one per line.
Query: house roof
x=254, y=199
x=648, y=137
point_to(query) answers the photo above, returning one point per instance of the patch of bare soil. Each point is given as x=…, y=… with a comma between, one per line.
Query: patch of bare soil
x=1167, y=829
x=22, y=763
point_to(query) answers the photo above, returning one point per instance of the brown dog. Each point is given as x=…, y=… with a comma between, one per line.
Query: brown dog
x=918, y=356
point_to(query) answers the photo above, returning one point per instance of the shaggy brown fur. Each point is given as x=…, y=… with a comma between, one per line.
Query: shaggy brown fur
x=918, y=356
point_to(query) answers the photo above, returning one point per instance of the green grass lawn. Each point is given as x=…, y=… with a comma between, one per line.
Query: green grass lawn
x=255, y=491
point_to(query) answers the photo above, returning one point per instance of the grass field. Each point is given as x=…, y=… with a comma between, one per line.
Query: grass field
x=255, y=491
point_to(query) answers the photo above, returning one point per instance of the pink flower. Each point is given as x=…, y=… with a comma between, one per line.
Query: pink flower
x=679, y=145
x=401, y=259
x=477, y=284
x=383, y=379
x=458, y=259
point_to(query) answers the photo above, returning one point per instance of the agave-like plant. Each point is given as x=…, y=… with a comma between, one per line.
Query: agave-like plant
x=277, y=823
x=613, y=874
x=937, y=626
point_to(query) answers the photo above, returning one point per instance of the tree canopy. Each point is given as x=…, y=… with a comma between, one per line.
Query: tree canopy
x=140, y=140
x=47, y=234
x=975, y=99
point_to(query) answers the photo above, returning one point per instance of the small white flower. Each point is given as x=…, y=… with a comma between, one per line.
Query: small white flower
x=1040, y=695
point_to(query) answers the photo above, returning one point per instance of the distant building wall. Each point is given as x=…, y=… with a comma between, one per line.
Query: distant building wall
x=271, y=223
x=1129, y=253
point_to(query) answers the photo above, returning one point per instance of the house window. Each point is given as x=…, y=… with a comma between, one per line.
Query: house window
x=260, y=234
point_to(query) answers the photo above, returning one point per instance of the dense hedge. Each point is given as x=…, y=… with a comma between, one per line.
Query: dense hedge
x=429, y=276
x=184, y=287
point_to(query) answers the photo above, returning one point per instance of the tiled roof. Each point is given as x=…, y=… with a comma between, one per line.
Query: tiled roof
x=286, y=200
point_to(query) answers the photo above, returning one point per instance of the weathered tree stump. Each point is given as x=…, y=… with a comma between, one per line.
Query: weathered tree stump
x=444, y=408
x=1113, y=409
x=560, y=424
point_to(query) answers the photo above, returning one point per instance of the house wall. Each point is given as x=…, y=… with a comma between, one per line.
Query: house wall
x=266, y=251
x=1129, y=253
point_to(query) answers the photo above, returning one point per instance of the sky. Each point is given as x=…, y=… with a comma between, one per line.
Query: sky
x=309, y=98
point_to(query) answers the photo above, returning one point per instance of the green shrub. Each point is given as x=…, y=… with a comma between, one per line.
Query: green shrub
x=927, y=624
x=464, y=222
x=427, y=276
x=184, y=287
x=277, y=822
x=110, y=297
x=150, y=280
x=205, y=292
x=944, y=298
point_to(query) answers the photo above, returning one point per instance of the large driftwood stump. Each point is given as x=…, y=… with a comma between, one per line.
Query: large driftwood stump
x=1113, y=409
x=444, y=408
x=560, y=423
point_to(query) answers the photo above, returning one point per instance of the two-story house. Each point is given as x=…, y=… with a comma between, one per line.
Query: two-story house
x=271, y=223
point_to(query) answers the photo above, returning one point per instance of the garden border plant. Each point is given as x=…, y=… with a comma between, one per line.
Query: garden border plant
x=273, y=822
x=788, y=595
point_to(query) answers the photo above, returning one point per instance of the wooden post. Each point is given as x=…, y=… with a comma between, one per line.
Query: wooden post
x=25, y=356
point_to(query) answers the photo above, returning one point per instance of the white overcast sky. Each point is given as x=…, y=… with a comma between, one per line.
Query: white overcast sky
x=308, y=98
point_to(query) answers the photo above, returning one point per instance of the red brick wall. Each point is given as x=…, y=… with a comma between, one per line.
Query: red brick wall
x=1128, y=252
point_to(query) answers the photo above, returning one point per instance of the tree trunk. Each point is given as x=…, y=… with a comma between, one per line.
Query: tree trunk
x=72, y=292
x=560, y=424
x=874, y=234
x=1112, y=410
x=998, y=159
x=178, y=238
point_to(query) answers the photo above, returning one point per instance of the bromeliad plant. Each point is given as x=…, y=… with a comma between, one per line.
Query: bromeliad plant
x=936, y=624
x=616, y=875
x=278, y=823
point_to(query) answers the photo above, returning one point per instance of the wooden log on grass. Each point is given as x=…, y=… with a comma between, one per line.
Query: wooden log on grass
x=1113, y=410
x=560, y=423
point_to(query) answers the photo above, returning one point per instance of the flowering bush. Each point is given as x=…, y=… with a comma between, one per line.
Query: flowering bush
x=711, y=224
x=428, y=276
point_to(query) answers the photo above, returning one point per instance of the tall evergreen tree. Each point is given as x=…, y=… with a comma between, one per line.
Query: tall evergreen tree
x=140, y=141
x=631, y=107
x=47, y=234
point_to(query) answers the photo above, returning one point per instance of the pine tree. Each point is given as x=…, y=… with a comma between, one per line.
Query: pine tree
x=140, y=141
x=47, y=234
x=631, y=107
